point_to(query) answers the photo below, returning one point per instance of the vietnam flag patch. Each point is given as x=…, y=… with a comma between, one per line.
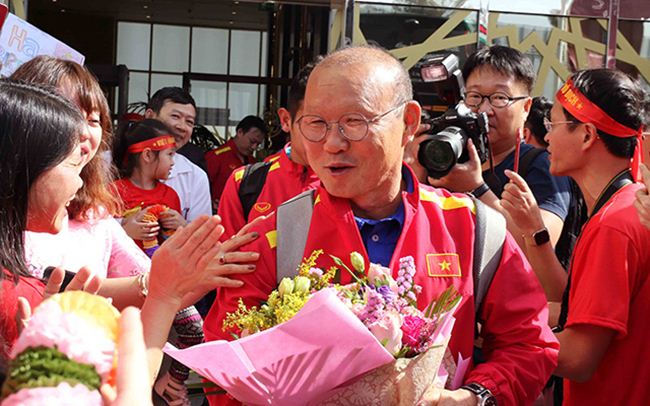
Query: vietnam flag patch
x=443, y=265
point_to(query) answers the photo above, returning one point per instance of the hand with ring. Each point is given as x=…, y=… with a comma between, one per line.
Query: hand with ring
x=193, y=261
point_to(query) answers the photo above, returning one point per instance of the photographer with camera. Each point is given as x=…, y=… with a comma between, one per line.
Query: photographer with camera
x=496, y=102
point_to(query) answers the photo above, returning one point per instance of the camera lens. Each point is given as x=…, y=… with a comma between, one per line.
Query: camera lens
x=439, y=155
x=441, y=152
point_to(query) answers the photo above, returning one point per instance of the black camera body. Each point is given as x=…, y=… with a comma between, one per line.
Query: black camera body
x=447, y=144
x=438, y=80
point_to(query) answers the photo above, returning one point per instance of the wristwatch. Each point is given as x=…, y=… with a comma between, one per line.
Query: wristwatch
x=485, y=397
x=480, y=191
x=539, y=237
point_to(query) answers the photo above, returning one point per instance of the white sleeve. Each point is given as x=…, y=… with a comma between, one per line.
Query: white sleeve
x=200, y=203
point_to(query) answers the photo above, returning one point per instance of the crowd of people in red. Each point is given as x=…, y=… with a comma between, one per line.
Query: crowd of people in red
x=146, y=218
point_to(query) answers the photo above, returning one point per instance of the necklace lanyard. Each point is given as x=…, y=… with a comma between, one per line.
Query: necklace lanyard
x=619, y=181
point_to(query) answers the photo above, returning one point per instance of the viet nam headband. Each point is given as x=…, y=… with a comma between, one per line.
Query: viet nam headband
x=587, y=112
x=155, y=144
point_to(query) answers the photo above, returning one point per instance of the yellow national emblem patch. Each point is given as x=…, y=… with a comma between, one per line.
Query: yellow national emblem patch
x=262, y=206
x=443, y=265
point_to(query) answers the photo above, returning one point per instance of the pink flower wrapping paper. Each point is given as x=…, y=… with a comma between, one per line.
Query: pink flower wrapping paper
x=295, y=363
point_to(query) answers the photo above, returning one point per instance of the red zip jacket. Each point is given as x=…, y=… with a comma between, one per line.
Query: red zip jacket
x=438, y=232
x=221, y=162
x=284, y=180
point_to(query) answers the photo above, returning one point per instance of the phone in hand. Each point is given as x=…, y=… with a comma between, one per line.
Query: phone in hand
x=66, y=279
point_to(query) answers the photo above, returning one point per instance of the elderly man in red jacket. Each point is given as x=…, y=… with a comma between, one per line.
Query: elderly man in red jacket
x=358, y=115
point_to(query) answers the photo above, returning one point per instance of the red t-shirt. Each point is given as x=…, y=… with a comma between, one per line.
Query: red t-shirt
x=221, y=162
x=610, y=287
x=31, y=289
x=135, y=197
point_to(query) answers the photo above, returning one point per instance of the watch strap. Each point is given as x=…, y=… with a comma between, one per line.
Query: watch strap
x=480, y=191
x=539, y=237
x=483, y=394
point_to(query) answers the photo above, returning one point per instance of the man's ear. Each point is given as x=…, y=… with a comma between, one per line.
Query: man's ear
x=412, y=116
x=148, y=113
x=590, y=135
x=285, y=119
x=528, y=103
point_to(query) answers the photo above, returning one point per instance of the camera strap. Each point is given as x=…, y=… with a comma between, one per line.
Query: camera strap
x=525, y=162
x=617, y=183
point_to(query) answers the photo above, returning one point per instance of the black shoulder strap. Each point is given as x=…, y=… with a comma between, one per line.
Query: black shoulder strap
x=527, y=159
x=251, y=185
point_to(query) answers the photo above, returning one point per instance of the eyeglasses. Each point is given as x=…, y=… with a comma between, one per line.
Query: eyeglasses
x=496, y=99
x=548, y=124
x=352, y=126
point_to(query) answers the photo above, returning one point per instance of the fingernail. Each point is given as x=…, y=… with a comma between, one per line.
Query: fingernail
x=251, y=267
x=255, y=234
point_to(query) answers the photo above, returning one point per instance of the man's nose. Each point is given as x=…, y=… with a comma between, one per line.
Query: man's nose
x=485, y=106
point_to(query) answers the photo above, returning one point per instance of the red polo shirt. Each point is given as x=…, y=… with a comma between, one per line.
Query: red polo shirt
x=221, y=162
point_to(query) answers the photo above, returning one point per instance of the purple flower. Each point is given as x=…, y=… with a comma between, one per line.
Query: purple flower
x=387, y=294
x=411, y=295
x=374, y=308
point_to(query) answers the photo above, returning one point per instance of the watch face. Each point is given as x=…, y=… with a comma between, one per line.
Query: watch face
x=491, y=401
x=541, y=237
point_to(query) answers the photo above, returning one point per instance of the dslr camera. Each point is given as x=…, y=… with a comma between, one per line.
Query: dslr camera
x=438, y=84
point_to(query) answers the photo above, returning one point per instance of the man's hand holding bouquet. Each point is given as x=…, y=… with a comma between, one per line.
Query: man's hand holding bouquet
x=318, y=342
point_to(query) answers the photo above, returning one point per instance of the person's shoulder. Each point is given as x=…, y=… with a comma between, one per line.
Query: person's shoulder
x=222, y=149
x=268, y=235
x=443, y=199
x=620, y=213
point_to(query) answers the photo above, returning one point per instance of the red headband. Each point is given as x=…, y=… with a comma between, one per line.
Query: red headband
x=155, y=144
x=587, y=112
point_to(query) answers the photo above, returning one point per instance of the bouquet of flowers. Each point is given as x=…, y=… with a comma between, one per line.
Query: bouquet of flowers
x=65, y=354
x=325, y=343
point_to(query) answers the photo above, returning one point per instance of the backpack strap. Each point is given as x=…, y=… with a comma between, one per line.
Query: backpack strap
x=490, y=234
x=251, y=185
x=293, y=220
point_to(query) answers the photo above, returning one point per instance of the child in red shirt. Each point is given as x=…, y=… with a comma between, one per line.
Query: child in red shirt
x=148, y=158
